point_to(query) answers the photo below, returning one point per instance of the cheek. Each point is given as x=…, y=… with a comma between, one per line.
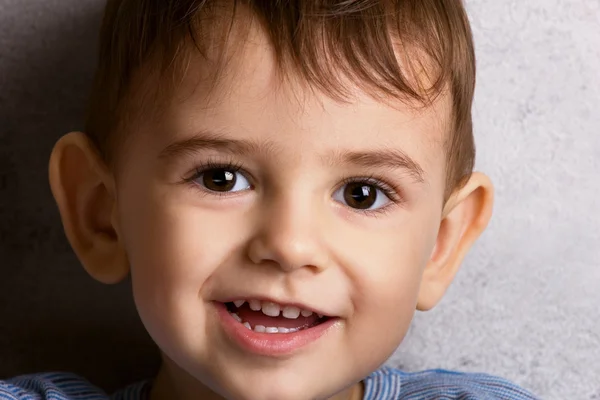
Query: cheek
x=387, y=268
x=387, y=294
x=386, y=285
x=170, y=262
x=164, y=248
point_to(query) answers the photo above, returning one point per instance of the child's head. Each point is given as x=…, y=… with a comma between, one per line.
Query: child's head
x=314, y=154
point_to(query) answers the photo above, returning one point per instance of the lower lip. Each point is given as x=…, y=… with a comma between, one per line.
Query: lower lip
x=270, y=344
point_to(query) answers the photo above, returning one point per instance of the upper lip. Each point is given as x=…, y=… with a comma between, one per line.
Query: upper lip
x=281, y=302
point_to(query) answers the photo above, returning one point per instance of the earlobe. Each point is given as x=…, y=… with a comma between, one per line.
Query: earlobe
x=465, y=216
x=84, y=192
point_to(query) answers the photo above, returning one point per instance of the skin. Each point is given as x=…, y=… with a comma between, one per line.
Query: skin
x=289, y=235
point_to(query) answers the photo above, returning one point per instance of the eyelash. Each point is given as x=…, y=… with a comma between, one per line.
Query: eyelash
x=380, y=184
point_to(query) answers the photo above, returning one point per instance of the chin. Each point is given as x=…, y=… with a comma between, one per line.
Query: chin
x=274, y=388
x=274, y=392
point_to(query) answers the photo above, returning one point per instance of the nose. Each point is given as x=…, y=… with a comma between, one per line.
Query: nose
x=289, y=235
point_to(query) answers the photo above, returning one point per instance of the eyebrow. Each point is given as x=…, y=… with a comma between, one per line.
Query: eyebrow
x=382, y=158
x=206, y=140
x=379, y=158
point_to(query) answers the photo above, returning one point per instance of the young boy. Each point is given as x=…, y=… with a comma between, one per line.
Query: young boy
x=286, y=182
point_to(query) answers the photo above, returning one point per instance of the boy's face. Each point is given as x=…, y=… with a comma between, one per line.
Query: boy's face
x=268, y=191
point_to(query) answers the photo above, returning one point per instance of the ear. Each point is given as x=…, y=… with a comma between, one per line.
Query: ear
x=465, y=216
x=84, y=190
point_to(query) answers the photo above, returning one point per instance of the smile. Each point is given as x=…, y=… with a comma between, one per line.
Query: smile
x=269, y=317
x=271, y=329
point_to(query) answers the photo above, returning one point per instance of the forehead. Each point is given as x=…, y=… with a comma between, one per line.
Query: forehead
x=251, y=95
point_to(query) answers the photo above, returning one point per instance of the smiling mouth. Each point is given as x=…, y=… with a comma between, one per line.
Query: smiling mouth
x=268, y=317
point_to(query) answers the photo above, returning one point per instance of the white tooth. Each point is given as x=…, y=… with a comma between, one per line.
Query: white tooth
x=254, y=305
x=291, y=312
x=306, y=313
x=260, y=329
x=270, y=309
x=320, y=315
x=239, y=303
x=293, y=330
x=272, y=329
x=236, y=317
x=247, y=325
x=283, y=330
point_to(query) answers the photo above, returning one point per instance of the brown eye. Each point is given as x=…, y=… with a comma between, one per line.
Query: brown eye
x=223, y=180
x=359, y=195
x=362, y=195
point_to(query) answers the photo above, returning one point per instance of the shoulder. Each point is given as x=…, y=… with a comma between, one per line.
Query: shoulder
x=55, y=386
x=390, y=383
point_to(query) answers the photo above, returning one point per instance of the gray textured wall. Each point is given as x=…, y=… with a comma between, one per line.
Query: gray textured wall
x=527, y=302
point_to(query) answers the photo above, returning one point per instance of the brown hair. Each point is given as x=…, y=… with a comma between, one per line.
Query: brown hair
x=379, y=44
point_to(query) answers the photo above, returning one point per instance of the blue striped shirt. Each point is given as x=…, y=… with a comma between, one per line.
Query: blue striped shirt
x=383, y=384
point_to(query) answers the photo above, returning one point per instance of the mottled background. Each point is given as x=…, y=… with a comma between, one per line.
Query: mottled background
x=526, y=304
